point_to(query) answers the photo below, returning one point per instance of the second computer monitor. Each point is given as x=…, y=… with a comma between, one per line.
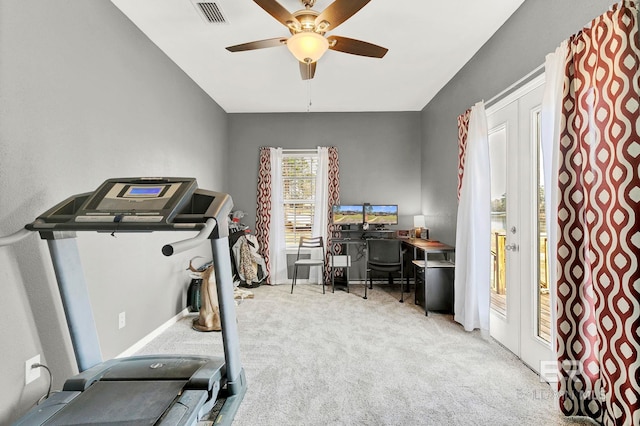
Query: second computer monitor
x=381, y=214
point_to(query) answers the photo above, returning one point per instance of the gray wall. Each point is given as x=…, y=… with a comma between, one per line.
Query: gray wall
x=379, y=155
x=85, y=96
x=519, y=47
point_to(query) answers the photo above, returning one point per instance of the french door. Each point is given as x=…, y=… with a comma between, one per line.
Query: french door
x=520, y=310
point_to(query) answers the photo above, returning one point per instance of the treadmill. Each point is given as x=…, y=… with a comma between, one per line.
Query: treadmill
x=140, y=390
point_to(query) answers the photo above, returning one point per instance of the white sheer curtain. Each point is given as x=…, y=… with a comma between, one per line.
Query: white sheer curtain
x=551, y=113
x=473, y=230
x=321, y=213
x=277, y=244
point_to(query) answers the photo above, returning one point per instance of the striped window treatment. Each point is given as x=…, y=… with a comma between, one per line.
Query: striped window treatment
x=598, y=184
x=327, y=195
x=333, y=198
x=263, y=210
x=270, y=233
x=463, y=132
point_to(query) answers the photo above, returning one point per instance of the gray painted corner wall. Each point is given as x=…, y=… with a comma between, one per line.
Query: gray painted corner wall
x=378, y=153
x=519, y=47
x=85, y=96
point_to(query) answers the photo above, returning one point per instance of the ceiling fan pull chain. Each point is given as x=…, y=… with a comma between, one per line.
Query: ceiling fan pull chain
x=309, y=94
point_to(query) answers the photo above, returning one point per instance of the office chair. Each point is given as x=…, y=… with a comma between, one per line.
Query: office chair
x=309, y=243
x=384, y=255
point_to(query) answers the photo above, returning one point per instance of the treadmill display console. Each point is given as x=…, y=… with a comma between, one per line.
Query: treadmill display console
x=140, y=200
x=137, y=204
x=124, y=197
x=143, y=191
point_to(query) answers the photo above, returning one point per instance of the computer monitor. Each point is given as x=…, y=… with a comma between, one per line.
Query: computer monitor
x=347, y=214
x=381, y=214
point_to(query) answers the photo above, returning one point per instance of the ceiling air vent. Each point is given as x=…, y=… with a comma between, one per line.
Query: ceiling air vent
x=210, y=12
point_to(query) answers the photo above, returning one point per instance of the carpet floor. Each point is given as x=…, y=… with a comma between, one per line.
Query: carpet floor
x=337, y=359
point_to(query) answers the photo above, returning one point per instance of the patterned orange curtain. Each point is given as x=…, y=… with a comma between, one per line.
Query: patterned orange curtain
x=463, y=131
x=334, y=198
x=263, y=210
x=598, y=286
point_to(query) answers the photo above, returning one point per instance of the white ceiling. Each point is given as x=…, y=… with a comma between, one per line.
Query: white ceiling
x=428, y=41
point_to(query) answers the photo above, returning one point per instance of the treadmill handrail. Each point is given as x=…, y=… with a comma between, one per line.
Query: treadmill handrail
x=15, y=237
x=189, y=243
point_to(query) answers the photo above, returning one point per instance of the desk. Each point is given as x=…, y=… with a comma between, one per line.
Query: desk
x=428, y=247
x=350, y=239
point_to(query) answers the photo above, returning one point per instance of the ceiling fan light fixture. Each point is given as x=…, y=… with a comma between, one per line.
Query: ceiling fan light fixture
x=307, y=46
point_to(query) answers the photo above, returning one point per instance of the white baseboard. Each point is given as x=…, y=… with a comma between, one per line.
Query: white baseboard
x=155, y=333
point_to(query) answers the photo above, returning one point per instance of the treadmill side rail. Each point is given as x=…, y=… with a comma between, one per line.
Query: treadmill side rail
x=80, y=382
x=43, y=412
x=187, y=410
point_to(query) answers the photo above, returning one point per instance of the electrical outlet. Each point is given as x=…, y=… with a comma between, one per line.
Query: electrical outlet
x=31, y=374
x=122, y=320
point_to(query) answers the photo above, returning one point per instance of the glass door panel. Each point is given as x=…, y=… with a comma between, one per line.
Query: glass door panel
x=505, y=218
x=534, y=303
x=543, y=299
x=497, y=158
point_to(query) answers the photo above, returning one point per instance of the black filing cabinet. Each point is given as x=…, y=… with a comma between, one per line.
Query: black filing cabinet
x=439, y=276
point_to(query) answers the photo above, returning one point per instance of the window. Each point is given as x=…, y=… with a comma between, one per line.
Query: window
x=298, y=189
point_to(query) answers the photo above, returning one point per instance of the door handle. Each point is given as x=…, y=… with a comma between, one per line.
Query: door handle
x=512, y=247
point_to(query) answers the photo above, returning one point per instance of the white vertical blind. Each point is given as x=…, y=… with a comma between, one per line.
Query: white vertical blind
x=299, y=169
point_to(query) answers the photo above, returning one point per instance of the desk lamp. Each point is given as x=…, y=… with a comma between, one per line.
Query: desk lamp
x=418, y=224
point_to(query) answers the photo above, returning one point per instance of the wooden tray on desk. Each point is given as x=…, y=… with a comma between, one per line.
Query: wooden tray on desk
x=429, y=245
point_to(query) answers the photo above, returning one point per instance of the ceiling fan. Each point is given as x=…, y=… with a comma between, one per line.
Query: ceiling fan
x=308, y=27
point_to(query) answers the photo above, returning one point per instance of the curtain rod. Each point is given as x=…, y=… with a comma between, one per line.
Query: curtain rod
x=536, y=72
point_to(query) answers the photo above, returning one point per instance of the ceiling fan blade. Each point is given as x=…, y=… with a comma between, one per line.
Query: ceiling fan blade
x=275, y=9
x=356, y=47
x=307, y=70
x=339, y=11
x=260, y=44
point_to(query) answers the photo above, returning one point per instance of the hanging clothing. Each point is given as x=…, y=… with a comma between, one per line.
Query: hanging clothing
x=250, y=265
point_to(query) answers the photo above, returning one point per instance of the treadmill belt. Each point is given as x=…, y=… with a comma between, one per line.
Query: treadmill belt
x=119, y=403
